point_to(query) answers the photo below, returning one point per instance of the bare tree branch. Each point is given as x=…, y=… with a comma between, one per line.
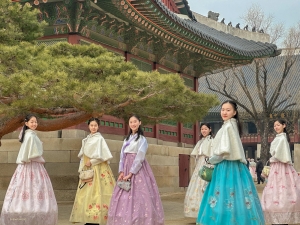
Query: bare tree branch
x=277, y=92
x=243, y=84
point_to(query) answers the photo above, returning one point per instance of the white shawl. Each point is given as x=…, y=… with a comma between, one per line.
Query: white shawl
x=280, y=149
x=227, y=142
x=203, y=147
x=94, y=147
x=31, y=148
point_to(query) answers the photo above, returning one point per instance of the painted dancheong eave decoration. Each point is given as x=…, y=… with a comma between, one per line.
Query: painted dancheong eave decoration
x=148, y=26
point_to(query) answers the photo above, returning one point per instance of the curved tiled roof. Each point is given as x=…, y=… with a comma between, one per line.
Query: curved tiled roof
x=235, y=44
x=198, y=48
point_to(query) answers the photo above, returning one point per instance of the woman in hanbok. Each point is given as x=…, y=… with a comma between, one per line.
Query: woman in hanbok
x=252, y=168
x=230, y=197
x=93, y=197
x=281, y=196
x=202, y=152
x=141, y=205
x=30, y=198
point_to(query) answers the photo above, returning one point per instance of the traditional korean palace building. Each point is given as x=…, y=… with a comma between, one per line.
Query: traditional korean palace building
x=162, y=35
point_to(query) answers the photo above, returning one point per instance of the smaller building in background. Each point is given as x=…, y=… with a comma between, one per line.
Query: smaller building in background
x=287, y=101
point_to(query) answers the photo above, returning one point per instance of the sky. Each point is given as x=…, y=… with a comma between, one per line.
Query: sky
x=283, y=11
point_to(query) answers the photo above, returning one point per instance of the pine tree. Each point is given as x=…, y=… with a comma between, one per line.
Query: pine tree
x=67, y=84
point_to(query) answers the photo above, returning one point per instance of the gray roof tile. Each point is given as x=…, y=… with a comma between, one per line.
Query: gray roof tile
x=236, y=44
x=274, y=67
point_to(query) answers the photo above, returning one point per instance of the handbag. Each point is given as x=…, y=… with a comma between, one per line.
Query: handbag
x=266, y=170
x=205, y=173
x=86, y=174
x=125, y=185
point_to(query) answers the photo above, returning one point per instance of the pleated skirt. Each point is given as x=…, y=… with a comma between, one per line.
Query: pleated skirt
x=92, y=201
x=231, y=197
x=30, y=198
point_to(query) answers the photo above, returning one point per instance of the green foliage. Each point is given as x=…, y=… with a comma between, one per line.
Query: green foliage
x=57, y=80
x=19, y=23
x=91, y=79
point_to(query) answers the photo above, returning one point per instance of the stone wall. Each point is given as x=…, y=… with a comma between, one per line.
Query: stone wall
x=297, y=157
x=62, y=162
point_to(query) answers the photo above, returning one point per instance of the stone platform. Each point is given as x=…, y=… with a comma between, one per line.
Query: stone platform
x=60, y=153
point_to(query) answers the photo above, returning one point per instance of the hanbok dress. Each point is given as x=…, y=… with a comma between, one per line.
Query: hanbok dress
x=141, y=205
x=30, y=198
x=231, y=197
x=252, y=169
x=92, y=199
x=197, y=186
x=281, y=196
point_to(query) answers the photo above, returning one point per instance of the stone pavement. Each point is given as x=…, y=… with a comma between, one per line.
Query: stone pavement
x=173, y=207
x=172, y=203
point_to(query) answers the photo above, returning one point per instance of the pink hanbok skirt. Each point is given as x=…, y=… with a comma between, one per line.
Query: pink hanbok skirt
x=29, y=199
x=281, y=196
x=253, y=173
x=142, y=204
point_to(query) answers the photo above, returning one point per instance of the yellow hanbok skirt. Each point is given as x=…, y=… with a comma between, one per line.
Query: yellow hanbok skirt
x=93, y=199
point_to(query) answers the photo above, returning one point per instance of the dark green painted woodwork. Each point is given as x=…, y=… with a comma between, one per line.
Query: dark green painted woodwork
x=112, y=23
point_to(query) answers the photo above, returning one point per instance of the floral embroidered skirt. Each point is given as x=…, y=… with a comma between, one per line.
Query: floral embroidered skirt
x=281, y=196
x=142, y=204
x=29, y=199
x=93, y=199
x=194, y=192
x=231, y=197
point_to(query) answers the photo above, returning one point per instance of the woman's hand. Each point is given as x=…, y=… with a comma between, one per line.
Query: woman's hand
x=128, y=176
x=88, y=163
x=121, y=175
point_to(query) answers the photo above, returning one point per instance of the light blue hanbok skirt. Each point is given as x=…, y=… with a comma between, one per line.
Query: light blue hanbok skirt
x=231, y=197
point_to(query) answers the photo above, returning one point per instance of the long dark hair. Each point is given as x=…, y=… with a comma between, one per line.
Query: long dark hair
x=94, y=119
x=139, y=131
x=24, y=128
x=209, y=127
x=236, y=116
x=283, y=122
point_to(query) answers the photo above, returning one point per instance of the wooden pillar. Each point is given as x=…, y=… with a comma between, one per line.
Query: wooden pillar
x=196, y=84
x=156, y=126
x=196, y=132
x=180, y=134
x=126, y=128
x=154, y=66
x=196, y=125
x=156, y=131
x=126, y=56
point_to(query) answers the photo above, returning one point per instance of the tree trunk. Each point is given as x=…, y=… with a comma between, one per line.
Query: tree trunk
x=265, y=147
x=47, y=125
